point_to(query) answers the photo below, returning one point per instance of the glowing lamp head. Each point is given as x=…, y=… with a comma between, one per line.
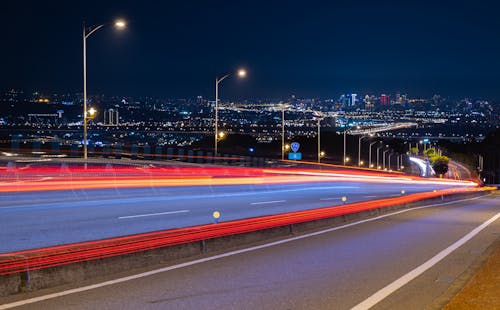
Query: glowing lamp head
x=92, y=111
x=120, y=24
x=242, y=73
x=221, y=134
x=322, y=154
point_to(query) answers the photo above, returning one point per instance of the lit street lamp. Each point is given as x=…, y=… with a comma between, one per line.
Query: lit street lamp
x=359, y=147
x=319, y=118
x=283, y=107
x=383, y=157
x=389, y=157
x=370, y=154
x=120, y=24
x=345, y=130
x=378, y=155
x=241, y=73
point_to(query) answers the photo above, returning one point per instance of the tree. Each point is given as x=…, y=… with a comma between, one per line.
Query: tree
x=440, y=164
x=430, y=153
x=414, y=150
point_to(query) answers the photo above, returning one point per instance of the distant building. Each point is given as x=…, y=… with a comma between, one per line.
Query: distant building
x=111, y=117
x=385, y=100
x=348, y=100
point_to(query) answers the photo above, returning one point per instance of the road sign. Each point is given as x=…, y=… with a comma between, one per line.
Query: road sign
x=295, y=146
x=294, y=156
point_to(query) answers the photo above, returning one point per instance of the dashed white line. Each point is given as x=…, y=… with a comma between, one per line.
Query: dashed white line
x=267, y=202
x=152, y=214
x=331, y=198
x=370, y=196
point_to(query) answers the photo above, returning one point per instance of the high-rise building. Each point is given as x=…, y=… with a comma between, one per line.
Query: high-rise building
x=348, y=100
x=385, y=99
x=111, y=117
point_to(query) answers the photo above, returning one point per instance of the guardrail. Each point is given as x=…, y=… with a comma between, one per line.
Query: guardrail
x=29, y=260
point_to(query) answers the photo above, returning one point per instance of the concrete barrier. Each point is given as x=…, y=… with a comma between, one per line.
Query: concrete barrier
x=77, y=272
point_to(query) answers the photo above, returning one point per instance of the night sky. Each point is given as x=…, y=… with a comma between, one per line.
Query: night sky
x=309, y=48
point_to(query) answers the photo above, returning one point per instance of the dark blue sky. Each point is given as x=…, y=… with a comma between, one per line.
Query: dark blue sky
x=307, y=48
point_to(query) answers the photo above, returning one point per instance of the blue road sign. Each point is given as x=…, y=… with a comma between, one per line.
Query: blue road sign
x=294, y=156
x=295, y=146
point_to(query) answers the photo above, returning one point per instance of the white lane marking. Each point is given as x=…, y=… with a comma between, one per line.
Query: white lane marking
x=267, y=202
x=394, y=195
x=391, y=288
x=332, y=198
x=152, y=214
x=370, y=196
x=207, y=259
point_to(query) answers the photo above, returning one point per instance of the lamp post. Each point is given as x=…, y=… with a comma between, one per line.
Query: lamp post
x=241, y=73
x=359, y=147
x=383, y=158
x=370, y=154
x=120, y=24
x=378, y=155
x=319, y=139
x=344, y=158
x=389, y=157
x=283, y=106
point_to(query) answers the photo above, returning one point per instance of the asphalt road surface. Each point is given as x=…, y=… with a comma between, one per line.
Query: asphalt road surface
x=38, y=219
x=336, y=269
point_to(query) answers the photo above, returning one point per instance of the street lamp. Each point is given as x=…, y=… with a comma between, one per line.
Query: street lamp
x=119, y=24
x=359, y=147
x=241, y=73
x=283, y=106
x=319, y=138
x=383, y=157
x=345, y=145
x=370, y=154
x=378, y=155
x=389, y=157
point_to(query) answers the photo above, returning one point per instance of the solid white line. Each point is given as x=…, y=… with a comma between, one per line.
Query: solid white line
x=152, y=214
x=391, y=288
x=370, y=196
x=266, y=202
x=207, y=259
x=333, y=198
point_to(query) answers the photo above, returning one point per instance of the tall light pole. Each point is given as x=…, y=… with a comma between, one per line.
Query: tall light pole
x=282, y=133
x=370, y=154
x=319, y=139
x=283, y=107
x=359, y=147
x=344, y=159
x=389, y=156
x=378, y=155
x=383, y=158
x=241, y=73
x=120, y=24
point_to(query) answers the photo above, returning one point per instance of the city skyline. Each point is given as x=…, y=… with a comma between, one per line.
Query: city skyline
x=177, y=49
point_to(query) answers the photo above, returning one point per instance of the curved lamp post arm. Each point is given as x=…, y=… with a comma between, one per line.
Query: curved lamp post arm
x=92, y=30
x=218, y=80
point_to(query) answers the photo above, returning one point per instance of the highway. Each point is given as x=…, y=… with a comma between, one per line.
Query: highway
x=41, y=218
x=336, y=269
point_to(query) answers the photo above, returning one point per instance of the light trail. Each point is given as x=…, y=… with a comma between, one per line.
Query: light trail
x=54, y=179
